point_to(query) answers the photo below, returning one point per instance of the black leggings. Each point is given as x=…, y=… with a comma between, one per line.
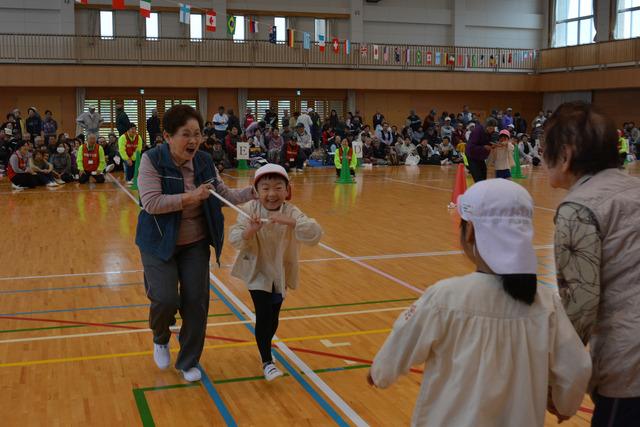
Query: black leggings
x=267, y=314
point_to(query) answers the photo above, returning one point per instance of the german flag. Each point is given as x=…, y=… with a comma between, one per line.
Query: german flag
x=290, y=37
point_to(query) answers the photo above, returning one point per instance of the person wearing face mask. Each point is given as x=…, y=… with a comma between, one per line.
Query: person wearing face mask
x=180, y=220
x=129, y=147
x=62, y=164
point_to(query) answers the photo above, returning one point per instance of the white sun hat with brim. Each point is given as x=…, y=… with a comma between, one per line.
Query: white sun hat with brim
x=501, y=212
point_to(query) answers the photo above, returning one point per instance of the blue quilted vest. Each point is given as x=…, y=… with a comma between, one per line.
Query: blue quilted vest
x=157, y=234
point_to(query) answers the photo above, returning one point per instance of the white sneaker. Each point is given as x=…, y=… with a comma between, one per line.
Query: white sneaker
x=192, y=374
x=162, y=355
x=300, y=170
x=443, y=161
x=109, y=168
x=17, y=187
x=130, y=182
x=52, y=184
x=271, y=372
x=60, y=182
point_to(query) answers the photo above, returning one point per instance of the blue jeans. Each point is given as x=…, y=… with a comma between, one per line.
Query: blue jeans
x=129, y=170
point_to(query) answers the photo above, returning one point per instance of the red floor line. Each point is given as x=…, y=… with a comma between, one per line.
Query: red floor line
x=216, y=337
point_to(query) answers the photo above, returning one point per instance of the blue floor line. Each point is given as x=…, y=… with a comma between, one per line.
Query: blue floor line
x=294, y=373
x=217, y=399
x=67, y=288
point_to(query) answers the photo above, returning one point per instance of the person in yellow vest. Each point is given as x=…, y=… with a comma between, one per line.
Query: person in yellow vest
x=345, y=150
x=129, y=145
x=91, y=162
x=623, y=147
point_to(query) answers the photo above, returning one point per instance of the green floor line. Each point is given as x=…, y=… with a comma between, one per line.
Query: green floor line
x=143, y=405
x=124, y=322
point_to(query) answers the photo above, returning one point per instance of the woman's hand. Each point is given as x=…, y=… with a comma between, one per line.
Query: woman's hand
x=196, y=196
x=253, y=227
x=278, y=218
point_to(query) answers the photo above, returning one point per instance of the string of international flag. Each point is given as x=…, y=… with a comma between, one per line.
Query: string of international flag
x=422, y=56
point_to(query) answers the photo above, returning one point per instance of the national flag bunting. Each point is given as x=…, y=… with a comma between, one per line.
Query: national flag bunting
x=273, y=34
x=185, y=13
x=376, y=52
x=290, y=37
x=321, y=42
x=438, y=58
x=117, y=4
x=385, y=53
x=253, y=25
x=335, y=43
x=82, y=1
x=419, y=57
x=407, y=56
x=306, y=40
x=364, y=50
x=429, y=57
x=210, y=23
x=145, y=8
x=347, y=47
x=231, y=25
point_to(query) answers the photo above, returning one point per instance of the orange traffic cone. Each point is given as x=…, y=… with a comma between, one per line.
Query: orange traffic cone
x=460, y=186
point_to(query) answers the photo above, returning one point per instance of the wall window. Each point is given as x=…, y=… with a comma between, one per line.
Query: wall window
x=195, y=27
x=628, y=23
x=281, y=29
x=239, y=34
x=321, y=28
x=574, y=22
x=106, y=24
x=152, y=29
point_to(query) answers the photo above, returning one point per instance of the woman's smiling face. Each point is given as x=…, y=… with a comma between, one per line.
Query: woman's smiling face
x=185, y=142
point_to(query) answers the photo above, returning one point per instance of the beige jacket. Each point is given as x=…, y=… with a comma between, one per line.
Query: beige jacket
x=270, y=258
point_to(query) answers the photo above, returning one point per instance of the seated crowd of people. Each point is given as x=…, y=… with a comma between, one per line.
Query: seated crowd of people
x=32, y=153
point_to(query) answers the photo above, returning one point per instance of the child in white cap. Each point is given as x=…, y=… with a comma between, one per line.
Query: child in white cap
x=494, y=344
x=268, y=257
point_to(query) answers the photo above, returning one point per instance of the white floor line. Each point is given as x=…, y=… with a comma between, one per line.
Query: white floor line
x=419, y=185
x=27, y=192
x=51, y=276
x=445, y=189
x=328, y=391
x=122, y=187
x=209, y=325
x=375, y=270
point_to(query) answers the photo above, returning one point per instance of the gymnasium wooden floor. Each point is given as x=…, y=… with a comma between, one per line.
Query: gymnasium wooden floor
x=74, y=348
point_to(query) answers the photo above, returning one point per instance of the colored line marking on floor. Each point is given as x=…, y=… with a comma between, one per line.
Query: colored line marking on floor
x=145, y=411
x=53, y=276
x=177, y=327
x=233, y=344
x=309, y=307
x=332, y=395
x=217, y=399
x=69, y=288
x=70, y=310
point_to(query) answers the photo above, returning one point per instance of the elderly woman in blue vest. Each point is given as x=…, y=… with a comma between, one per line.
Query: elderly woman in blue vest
x=178, y=223
x=597, y=250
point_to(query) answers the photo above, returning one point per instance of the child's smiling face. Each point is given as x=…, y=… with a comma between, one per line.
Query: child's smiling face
x=272, y=192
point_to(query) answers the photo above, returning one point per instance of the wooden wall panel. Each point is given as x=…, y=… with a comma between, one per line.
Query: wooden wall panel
x=61, y=102
x=621, y=105
x=217, y=97
x=396, y=105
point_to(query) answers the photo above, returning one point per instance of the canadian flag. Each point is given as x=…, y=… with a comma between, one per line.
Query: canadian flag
x=210, y=23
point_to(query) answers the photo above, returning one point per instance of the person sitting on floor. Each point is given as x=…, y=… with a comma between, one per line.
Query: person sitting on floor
x=428, y=155
x=448, y=154
x=292, y=157
x=91, y=161
x=62, y=163
x=43, y=169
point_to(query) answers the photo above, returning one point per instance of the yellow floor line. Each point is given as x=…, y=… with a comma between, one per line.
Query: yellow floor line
x=208, y=347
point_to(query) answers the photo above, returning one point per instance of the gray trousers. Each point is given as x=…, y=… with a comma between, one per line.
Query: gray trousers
x=189, y=266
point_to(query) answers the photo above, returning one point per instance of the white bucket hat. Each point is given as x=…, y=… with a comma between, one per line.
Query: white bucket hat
x=501, y=212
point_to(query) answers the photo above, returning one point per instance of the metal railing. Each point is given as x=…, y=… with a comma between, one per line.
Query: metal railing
x=76, y=49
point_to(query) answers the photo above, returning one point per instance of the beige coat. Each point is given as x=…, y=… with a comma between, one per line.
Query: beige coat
x=270, y=258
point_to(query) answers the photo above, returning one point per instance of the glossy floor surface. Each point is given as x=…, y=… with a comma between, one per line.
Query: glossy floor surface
x=74, y=348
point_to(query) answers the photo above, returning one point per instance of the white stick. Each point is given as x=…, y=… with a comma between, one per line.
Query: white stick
x=234, y=207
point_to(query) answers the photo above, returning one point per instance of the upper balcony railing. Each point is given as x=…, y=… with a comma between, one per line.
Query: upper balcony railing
x=75, y=49
x=617, y=53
